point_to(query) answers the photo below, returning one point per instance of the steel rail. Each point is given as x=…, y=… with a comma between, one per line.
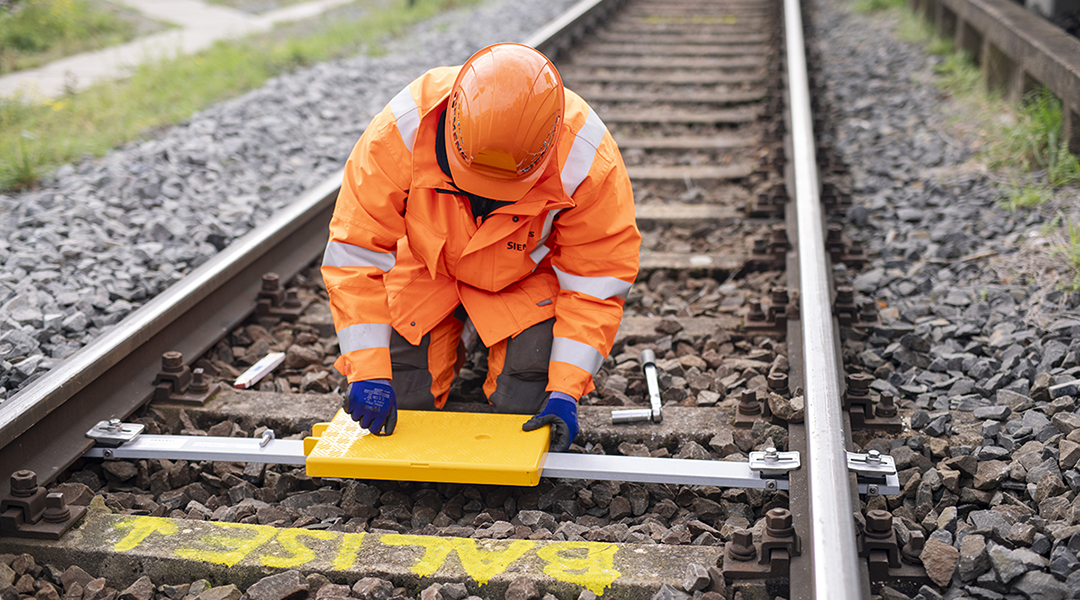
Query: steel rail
x=42, y=427
x=836, y=570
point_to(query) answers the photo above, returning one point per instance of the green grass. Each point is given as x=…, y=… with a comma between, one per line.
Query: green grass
x=875, y=6
x=1034, y=142
x=1070, y=252
x=1026, y=196
x=35, y=137
x=958, y=74
x=36, y=32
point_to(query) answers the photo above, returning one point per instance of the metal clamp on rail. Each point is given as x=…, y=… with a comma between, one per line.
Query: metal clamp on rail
x=876, y=473
x=773, y=464
x=113, y=433
x=656, y=412
x=266, y=449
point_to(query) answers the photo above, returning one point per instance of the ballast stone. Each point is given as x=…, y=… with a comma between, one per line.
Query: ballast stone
x=289, y=585
x=1041, y=585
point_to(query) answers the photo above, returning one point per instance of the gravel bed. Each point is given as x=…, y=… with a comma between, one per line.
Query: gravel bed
x=696, y=369
x=22, y=575
x=727, y=193
x=736, y=239
x=978, y=343
x=101, y=237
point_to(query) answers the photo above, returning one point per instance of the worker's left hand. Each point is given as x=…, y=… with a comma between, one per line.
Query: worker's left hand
x=372, y=403
x=559, y=411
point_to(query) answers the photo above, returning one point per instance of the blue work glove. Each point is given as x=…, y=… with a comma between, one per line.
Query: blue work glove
x=372, y=403
x=559, y=411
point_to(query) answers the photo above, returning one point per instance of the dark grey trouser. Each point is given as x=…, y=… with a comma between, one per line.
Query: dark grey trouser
x=520, y=385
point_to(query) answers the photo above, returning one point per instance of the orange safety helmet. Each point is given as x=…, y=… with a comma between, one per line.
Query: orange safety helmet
x=503, y=122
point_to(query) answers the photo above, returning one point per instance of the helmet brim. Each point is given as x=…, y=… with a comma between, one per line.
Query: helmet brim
x=474, y=182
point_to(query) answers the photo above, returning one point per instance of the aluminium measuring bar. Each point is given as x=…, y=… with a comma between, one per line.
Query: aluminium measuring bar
x=564, y=465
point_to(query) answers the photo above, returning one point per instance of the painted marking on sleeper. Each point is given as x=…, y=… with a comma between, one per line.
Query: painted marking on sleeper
x=588, y=564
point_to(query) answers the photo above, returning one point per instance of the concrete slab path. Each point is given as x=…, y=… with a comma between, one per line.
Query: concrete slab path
x=199, y=25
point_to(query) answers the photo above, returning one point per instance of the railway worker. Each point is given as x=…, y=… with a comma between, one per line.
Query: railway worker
x=484, y=201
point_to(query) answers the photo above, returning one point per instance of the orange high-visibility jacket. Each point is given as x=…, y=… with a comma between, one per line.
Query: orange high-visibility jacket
x=403, y=255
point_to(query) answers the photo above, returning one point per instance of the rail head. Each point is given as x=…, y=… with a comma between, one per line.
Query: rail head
x=836, y=571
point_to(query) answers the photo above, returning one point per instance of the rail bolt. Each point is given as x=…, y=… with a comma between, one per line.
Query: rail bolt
x=859, y=383
x=748, y=403
x=779, y=296
x=755, y=314
x=778, y=383
x=845, y=294
x=868, y=311
x=779, y=236
x=878, y=523
x=912, y=550
x=291, y=299
x=172, y=362
x=778, y=523
x=23, y=483
x=56, y=510
x=886, y=407
x=833, y=234
x=199, y=384
x=271, y=282
x=742, y=547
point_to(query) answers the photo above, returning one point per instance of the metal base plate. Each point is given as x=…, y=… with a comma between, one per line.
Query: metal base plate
x=447, y=447
x=12, y=524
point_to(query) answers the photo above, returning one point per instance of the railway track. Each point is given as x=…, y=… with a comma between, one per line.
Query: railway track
x=709, y=102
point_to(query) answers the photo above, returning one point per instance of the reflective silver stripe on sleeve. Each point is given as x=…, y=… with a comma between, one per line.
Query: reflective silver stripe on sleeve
x=340, y=254
x=597, y=287
x=582, y=356
x=541, y=249
x=582, y=152
x=407, y=115
x=364, y=336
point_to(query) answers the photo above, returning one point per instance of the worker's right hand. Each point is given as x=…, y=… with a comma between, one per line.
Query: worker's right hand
x=372, y=403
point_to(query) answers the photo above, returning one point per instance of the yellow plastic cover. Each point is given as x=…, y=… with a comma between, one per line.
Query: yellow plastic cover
x=437, y=446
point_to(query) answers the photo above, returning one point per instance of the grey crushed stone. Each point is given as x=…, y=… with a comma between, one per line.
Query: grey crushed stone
x=102, y=237
x=696, y=578
x=522, y=588
x=372, y=588
x=290, y=585
x=667, y=592
x=986, y=370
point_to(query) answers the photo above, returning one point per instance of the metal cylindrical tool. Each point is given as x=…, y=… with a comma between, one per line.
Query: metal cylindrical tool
x=655, y=412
